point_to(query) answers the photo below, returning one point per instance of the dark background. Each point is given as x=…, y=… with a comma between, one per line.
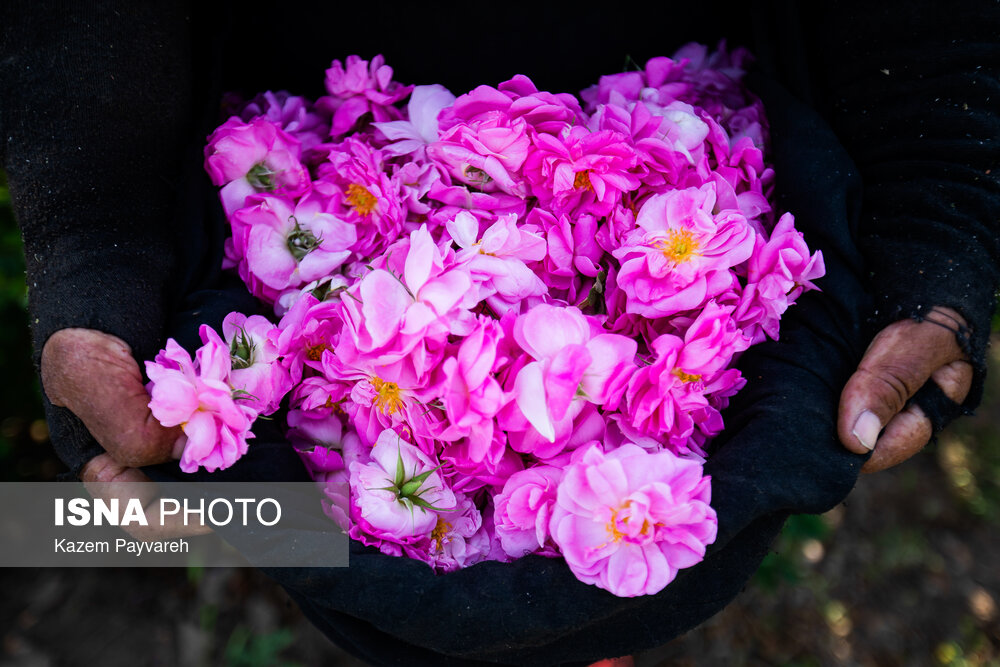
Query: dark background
x=905, y=572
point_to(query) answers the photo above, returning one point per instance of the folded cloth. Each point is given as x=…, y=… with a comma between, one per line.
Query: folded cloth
x=778, y=455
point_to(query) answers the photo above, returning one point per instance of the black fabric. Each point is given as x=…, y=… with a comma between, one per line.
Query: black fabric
x=937, y=407
x=102, y=102
x=780, y=454
x=104, y=114
x=929, y=154
x=90, y=150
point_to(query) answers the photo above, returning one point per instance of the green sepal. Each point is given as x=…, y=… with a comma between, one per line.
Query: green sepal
x=400, y=470
x=411, y=486
x=241, y=350
x=260, y=179
x=420, y=502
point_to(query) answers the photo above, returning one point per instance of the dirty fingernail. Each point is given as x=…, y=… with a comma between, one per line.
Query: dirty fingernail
x=867, y=428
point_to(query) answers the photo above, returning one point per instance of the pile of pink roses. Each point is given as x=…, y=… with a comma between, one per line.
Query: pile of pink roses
x=508, y=319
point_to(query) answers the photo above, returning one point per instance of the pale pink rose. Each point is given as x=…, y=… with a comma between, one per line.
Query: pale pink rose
x=411, y=136
x=253, y=353
x=253, y=158
x=628, y=520
x=288, y=246
x=195, y=394
x=398, y=494
x=522, y=510
x=496, y=261
x=573, y=363
x=417, y=296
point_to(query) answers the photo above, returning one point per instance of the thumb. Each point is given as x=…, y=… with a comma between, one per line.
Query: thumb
x=898, y=362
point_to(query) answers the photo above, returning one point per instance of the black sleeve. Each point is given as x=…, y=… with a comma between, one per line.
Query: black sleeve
x=95, y=97
x=913, y=91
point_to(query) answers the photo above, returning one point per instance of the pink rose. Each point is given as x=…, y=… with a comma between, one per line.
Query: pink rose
x=522, y=511
x=253, y=158
x=628, y=520
x=196, y=395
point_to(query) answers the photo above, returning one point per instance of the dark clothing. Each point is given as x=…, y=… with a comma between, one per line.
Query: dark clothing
x=104, y=115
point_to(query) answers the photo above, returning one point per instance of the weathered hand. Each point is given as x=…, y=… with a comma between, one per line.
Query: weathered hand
x=94, y=375
x=900, y=359
x=105, y=478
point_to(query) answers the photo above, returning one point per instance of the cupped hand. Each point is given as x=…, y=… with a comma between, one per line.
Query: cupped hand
x=874, y=415
x=94, y=375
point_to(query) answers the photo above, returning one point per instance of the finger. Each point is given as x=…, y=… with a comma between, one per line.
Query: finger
x=898, y=362
x=132, y=435
x=107, y=479
x=94, y=375
x=905, y=435
x=955, y=380
x=910, y=430
x=68, y=354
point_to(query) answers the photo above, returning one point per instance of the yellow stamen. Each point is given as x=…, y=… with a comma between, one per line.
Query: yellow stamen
x=315, y=352
x=679, y=246
x=685, y=376
x=361, y=199
x=631, y=205
x=582, y=180
x=439, y=533
x=334, y=406
x=388, y=400
x=612, y=525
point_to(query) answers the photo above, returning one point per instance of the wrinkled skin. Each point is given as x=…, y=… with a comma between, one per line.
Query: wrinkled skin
x=94, y=375
x=899, y=360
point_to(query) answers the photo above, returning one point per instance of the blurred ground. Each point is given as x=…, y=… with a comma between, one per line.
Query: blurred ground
x=904, y=573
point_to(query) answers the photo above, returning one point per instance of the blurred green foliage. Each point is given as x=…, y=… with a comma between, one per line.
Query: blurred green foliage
x=248, y=649
x=12, y=288
x=969, y=453
x=973, y=649
x=785, y=563
x=24, y=454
